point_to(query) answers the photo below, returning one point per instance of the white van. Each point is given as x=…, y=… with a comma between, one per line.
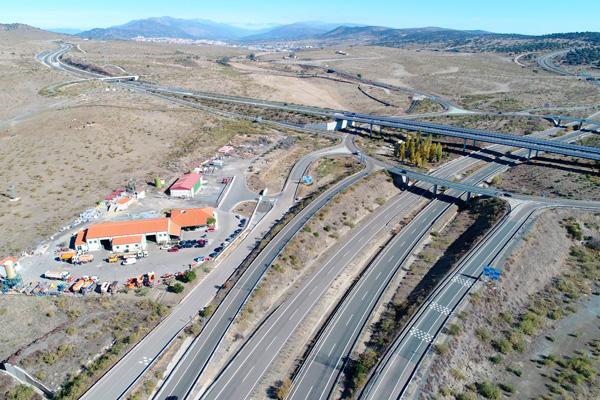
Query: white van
x=129, y=261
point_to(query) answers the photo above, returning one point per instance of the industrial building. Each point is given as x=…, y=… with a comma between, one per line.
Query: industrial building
x=190, y=218
x=187, y=186
x=126, y=235
x=132, y=236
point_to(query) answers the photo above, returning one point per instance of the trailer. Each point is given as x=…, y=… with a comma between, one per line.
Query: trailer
x=83, y=259
x=57, y=275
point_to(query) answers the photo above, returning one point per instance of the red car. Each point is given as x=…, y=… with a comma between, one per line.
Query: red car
x=173, y=250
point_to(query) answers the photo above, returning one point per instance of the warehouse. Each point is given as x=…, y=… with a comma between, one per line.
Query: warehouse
x=187, y=186
x=126, y=235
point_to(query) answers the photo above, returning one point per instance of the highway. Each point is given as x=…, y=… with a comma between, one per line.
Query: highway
x=187, y=371
x=192, y=364
x=395, y=371
x=257, y=354
x=117, y=381
x=319, y=373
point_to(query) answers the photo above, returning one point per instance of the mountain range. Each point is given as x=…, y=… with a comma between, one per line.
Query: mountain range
x=208, y=30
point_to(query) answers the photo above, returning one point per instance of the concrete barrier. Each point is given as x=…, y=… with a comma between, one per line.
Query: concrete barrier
x=22, y=376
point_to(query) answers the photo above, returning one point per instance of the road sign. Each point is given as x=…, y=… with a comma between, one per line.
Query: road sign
x=491, y=273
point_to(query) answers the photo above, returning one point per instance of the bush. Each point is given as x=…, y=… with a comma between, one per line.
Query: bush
x=441, y=349
x=507, y=387
x=187, y=276
x=489, y=390
x=176, y=288
x=282, y=388
x=453, y=329
x=483, y=334
x=21, y=392
x=515, y=370
x=496, y=359
x=207, y=311
x=502, y=345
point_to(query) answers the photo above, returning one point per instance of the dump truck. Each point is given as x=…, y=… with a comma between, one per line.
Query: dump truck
x=67, y=256
x=113, y=258
x=77, y=285
x=83, y=259
x=61, y=276
x=87, y=285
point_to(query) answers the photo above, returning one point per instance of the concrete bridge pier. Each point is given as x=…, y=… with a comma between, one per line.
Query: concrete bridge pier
x=464, y=145
x=468, y=197
x=435, y=189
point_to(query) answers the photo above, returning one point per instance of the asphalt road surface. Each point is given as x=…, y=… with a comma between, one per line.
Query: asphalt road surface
x=397, y=368
x=188, y=369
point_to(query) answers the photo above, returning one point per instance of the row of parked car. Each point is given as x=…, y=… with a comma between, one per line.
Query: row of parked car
x=188, y=244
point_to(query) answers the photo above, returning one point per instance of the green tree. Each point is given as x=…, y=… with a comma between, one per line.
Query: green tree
x=402, y=151
x=438, y=152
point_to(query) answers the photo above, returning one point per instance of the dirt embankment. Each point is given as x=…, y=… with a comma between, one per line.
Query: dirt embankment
x=553, y=176
x=272, y=169
x=528, y=336
x=68, y=342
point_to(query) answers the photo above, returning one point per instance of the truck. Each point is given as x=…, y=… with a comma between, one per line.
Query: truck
x=87, y=286
x=77, y=285
x=58, y=275
x=67, y=256
x=112, y=288
x=83, y=259
x=112, y=258
x=104, y=287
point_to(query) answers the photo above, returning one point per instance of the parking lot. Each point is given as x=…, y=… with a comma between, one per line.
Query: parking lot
x=160, y=261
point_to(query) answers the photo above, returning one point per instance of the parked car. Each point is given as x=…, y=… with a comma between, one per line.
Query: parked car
x=129, y=261
x=173, y=249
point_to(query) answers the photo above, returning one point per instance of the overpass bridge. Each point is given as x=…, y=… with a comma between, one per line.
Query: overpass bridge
x=532, y=144
x=440, y=184
x=126, y=78
x=558, y=120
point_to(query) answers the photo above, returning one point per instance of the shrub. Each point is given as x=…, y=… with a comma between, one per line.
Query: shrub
x=453, y=329
x=515, y=370
x=176, y=288
x=187, y=276
x=496, y=359
x=502, y=345
x=441, y=349
x=489, y=390
x=207, y=311
x=316, y=234
x=507, y=387
x=483, y=334
x=21, y=392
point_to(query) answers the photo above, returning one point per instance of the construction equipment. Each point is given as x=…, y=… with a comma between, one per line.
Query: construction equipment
x=67, y=256
x=83, y=259
x=61, y=276
x=76, y=287
x=113, y=258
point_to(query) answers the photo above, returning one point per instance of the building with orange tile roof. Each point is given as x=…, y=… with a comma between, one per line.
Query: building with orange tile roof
x=192, y=217
x=158, y=229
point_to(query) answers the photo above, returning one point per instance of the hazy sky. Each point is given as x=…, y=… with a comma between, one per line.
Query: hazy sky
x=520, y=16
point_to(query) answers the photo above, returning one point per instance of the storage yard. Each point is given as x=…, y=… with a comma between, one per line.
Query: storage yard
x=143, y=234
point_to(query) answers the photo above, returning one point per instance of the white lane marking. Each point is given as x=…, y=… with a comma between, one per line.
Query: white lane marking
x=349, y=319
x=331, y=350
x=251, y=369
